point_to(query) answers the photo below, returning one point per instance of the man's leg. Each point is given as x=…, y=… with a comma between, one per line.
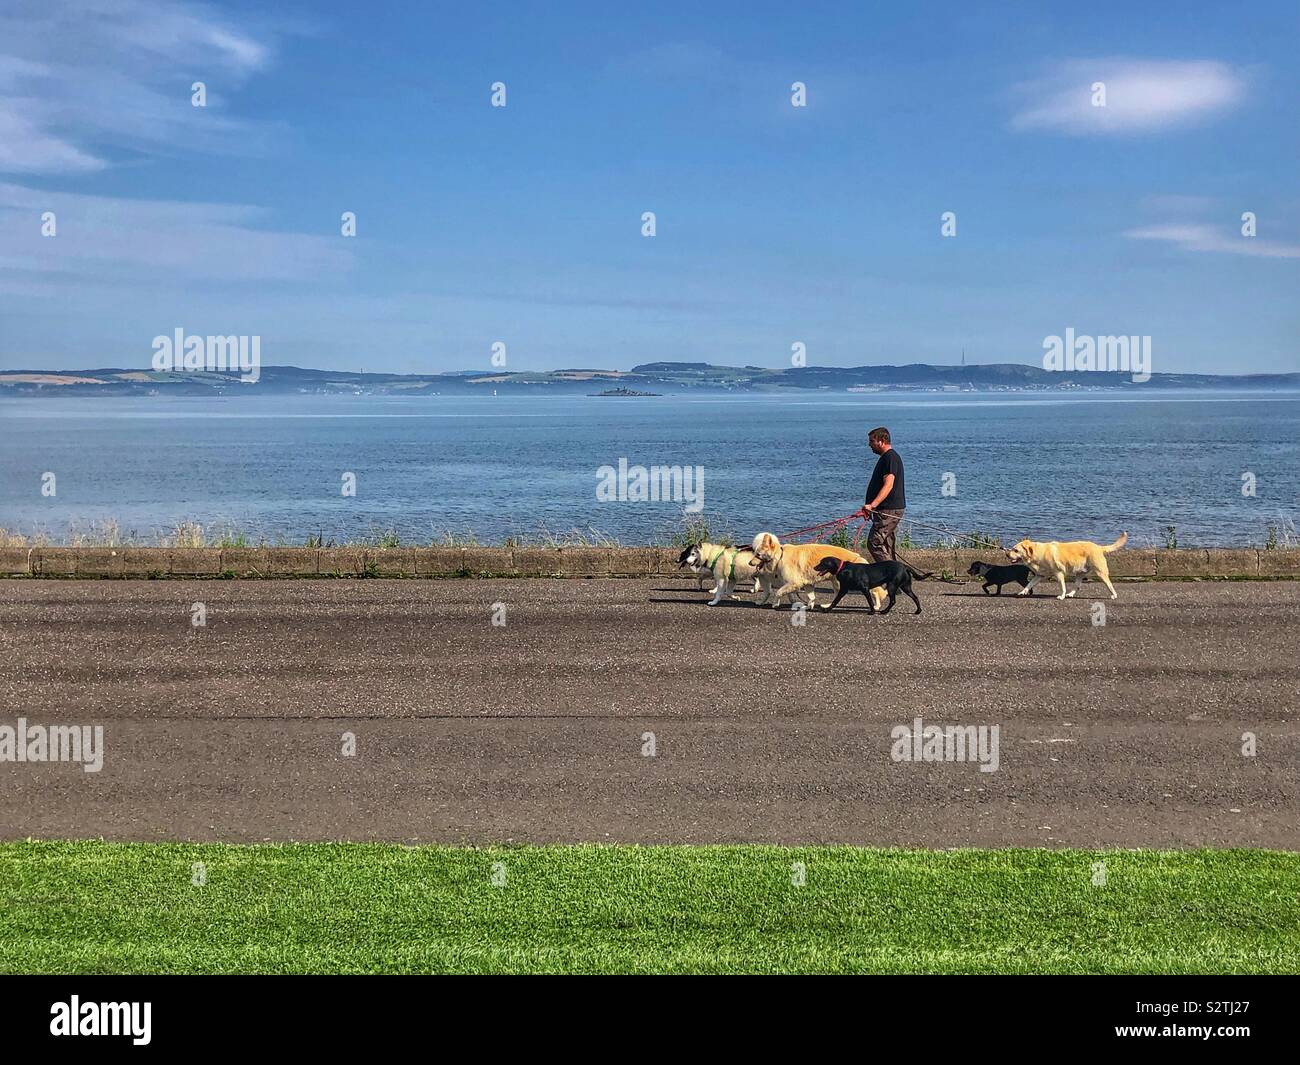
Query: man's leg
x=880, y=541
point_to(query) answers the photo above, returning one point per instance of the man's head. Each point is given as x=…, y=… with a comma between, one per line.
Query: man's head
x=878, y=440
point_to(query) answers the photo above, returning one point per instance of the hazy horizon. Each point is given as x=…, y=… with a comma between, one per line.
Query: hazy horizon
x=488, y=371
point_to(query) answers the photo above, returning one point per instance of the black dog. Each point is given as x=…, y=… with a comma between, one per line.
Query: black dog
x=894, y=577
x=999, y=575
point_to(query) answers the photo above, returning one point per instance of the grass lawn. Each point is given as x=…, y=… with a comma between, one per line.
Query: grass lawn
x=93, y=907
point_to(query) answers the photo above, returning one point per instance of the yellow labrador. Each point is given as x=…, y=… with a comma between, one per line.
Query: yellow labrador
x=1058, y=559
x=794, y=566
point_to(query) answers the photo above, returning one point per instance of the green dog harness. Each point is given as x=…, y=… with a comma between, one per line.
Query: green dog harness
x=731, y=576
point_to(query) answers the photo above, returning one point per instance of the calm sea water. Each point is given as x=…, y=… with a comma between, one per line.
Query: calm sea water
x=1079, y=466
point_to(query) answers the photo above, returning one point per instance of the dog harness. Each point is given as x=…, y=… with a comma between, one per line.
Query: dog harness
x=731, y=576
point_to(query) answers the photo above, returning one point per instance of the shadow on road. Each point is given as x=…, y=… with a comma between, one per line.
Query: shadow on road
x=704, y=601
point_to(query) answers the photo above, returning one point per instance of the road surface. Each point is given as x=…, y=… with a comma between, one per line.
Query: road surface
x=1123, y=734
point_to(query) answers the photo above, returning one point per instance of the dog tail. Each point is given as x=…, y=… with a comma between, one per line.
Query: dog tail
x=1123, y=539
x=917, y=575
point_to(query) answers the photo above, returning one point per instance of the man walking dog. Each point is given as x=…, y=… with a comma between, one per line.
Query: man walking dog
x=885, y=500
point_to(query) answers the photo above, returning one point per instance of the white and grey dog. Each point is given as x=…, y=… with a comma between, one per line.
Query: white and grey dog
x=729, y=566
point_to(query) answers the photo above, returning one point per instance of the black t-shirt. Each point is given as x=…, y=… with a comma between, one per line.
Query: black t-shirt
x=888, y=463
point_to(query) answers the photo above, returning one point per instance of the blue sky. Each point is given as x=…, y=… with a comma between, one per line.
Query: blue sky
x=775, y=224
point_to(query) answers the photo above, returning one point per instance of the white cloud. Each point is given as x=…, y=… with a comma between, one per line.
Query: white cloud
x=1140, y=94
x=80, y=80
x=1194, y=236
x=154, y=242
x=26, y=147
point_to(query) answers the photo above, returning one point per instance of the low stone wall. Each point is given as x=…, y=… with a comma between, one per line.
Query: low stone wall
x=254, y=562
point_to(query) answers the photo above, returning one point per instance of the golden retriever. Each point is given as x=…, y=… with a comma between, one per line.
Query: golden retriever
x=794, y=565
x=729, y=566
x=1058, y=559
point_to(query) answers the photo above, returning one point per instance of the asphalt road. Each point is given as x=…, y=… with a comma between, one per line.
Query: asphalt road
x=1127, y=734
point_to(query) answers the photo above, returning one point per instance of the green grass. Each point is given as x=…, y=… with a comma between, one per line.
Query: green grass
x=94, y=907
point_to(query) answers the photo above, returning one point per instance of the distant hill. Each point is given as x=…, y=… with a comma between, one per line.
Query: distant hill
x=661, y=377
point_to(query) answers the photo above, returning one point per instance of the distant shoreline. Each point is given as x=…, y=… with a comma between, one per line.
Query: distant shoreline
x=653, y=379
x=890, y=397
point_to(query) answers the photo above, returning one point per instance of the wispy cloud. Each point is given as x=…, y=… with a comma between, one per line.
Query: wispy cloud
x=155, y=241
x=82, y=81
x=1195, y=236
x=1140, y=95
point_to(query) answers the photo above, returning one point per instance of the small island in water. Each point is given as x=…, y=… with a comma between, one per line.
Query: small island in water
x=623, y=392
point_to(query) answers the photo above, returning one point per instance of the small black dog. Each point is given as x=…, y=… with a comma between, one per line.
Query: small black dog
x=894, y=577
x=999, y=575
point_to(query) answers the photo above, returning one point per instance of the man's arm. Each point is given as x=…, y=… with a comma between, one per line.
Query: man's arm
x=886, y=487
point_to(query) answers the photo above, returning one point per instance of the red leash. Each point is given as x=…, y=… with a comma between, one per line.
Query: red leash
x=837, y=523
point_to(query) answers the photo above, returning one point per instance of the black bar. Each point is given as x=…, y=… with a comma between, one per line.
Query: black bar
x=335, y=1014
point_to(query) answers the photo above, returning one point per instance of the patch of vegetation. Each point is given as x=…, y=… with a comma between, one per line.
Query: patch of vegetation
x=1281, y=534
x=449, y=538
x=96, y=907
x=230, y=538
x=385, y=538
x=696, y=529
x=690, y=528
x=575, y=537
